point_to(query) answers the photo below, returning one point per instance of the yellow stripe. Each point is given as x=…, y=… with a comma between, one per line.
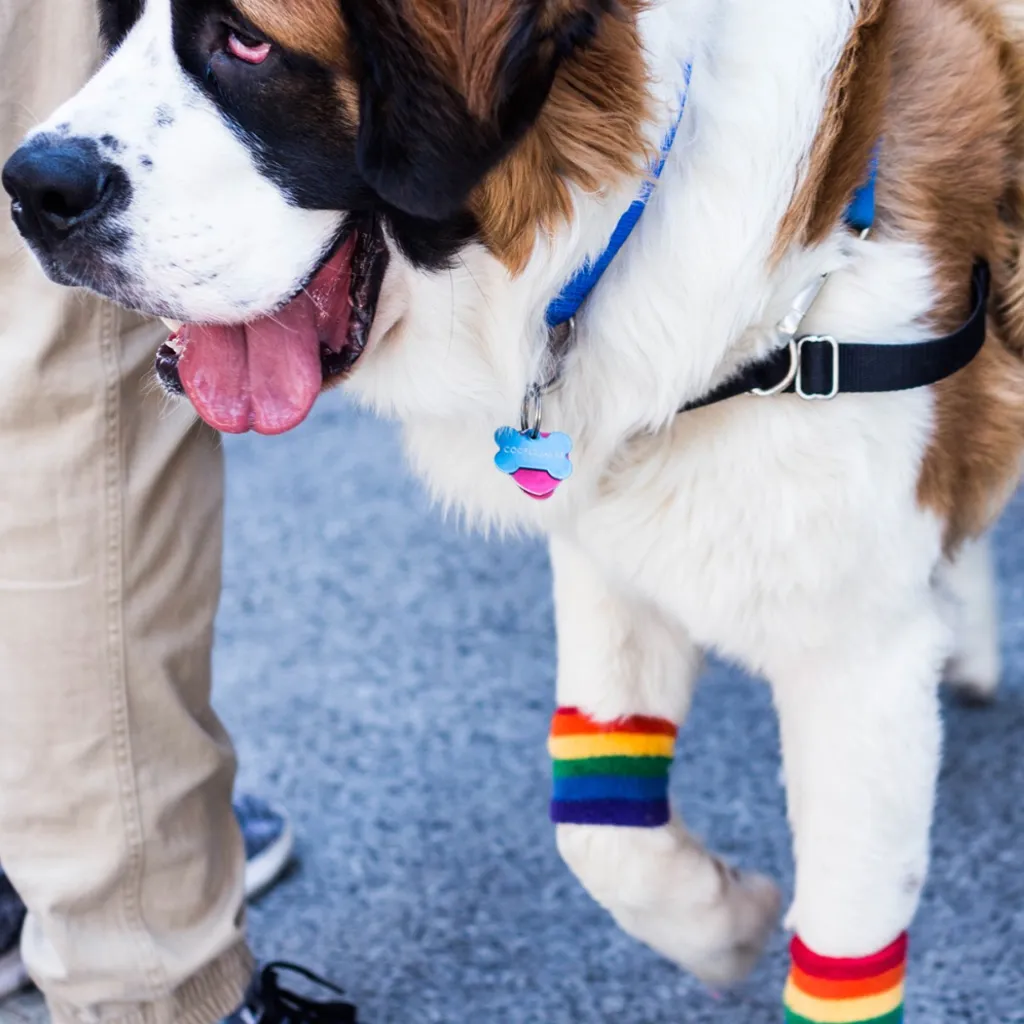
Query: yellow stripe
x=842, y=1011
x=610, y=744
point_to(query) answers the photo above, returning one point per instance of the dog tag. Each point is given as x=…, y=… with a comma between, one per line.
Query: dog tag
x=538, y=463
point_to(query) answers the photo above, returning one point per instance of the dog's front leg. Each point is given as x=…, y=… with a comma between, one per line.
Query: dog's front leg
x=625, y=678
x=861, y=738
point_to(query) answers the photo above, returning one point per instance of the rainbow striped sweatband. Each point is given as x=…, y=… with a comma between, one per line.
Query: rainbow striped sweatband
x=613, y=773
x=868, y=991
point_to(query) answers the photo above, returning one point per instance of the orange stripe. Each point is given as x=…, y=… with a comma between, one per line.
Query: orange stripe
x=874, y=1009
x=822, y=988
x=569, y=722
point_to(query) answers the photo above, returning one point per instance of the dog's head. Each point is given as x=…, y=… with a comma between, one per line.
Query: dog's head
x=264, y=167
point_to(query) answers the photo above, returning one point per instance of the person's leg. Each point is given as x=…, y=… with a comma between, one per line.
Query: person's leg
x=269, y=843
x=115, y=775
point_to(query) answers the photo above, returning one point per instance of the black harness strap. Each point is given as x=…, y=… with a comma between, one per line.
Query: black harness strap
x=819, y=367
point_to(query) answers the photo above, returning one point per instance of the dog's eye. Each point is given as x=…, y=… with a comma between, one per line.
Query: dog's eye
x=247, y=50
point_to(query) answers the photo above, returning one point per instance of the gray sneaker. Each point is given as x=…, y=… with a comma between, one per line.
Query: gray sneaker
x=269, y=843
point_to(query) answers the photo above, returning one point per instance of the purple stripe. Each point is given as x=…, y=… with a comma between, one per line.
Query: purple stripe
x=624, y=813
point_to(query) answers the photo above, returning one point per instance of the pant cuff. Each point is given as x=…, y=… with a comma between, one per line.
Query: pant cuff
x=205, y=999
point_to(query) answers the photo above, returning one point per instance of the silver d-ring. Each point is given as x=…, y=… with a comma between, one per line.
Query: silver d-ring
x=532, y=410
x=794, y=364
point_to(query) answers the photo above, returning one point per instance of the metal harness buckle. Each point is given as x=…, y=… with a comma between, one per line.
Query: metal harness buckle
x=810, y=396
x=791, y=374
x=786, y=330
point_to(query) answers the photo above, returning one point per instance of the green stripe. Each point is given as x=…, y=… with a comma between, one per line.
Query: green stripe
x=641, y=767
x=895, y=1017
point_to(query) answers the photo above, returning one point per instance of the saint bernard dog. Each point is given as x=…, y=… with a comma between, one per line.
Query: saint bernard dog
x=392, y=196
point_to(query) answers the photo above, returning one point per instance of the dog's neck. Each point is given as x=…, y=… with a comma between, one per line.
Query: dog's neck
x=694, y=289
x=704, y=268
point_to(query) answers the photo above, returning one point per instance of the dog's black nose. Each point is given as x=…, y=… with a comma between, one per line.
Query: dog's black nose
x=55, y=184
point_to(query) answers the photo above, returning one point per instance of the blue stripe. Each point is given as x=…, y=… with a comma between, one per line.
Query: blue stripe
x=610, y=787
x=621, y=813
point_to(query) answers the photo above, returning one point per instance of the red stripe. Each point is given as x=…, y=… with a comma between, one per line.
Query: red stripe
x=572, y=722
x=849, y=970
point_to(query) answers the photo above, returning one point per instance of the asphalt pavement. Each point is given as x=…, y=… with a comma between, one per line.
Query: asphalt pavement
x=389, y=678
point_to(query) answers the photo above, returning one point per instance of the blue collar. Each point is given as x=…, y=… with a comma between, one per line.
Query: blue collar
x=574, y=293
x=860, y=216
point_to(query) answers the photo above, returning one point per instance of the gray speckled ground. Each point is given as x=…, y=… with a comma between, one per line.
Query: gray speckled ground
x=390, y=680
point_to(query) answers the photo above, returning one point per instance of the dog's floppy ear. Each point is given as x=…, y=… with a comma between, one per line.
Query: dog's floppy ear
x=449, y=86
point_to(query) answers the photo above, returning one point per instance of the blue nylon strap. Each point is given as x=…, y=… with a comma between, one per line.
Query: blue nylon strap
x=860, y=216
x=566, y=305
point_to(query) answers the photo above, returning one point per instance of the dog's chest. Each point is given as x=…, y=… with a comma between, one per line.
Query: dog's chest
x=767, y=521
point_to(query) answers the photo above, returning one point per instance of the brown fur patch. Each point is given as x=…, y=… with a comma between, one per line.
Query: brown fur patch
x=950, y=178
x=311, y=27
x=972, y=464
x=850, y=128
x=590, y=132
x=941, y=84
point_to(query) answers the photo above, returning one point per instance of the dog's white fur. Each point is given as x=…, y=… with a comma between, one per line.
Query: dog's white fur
x=783, y=534
x=202, y=221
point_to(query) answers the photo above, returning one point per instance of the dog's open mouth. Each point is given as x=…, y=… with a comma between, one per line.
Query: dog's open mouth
x=265, y=375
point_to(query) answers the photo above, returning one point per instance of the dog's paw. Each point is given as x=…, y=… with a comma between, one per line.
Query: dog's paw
x=754, y=905
x=973, y=676
x=721, y=941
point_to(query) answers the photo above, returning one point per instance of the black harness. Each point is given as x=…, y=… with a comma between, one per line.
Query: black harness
x=818, y=367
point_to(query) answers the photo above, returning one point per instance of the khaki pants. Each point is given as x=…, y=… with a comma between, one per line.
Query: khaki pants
x=115, y=774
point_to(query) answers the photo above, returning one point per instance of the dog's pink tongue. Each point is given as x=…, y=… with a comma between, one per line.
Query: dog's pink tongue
x=263, y=376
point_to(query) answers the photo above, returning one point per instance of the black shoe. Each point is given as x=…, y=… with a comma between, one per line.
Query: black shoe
x=268, y=1002
x=12, y=916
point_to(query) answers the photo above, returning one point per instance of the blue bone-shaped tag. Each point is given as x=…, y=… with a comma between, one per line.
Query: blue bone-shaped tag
x=521, y=450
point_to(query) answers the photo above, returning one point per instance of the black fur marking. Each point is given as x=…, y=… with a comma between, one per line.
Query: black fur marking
x=166, y=367
x=164, y=116
x=288, y=112
x=419, y=145
x=116, y=19
x=417, y=152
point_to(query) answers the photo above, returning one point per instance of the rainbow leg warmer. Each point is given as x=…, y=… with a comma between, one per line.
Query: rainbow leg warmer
x=613, y=773
x=826, y=991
